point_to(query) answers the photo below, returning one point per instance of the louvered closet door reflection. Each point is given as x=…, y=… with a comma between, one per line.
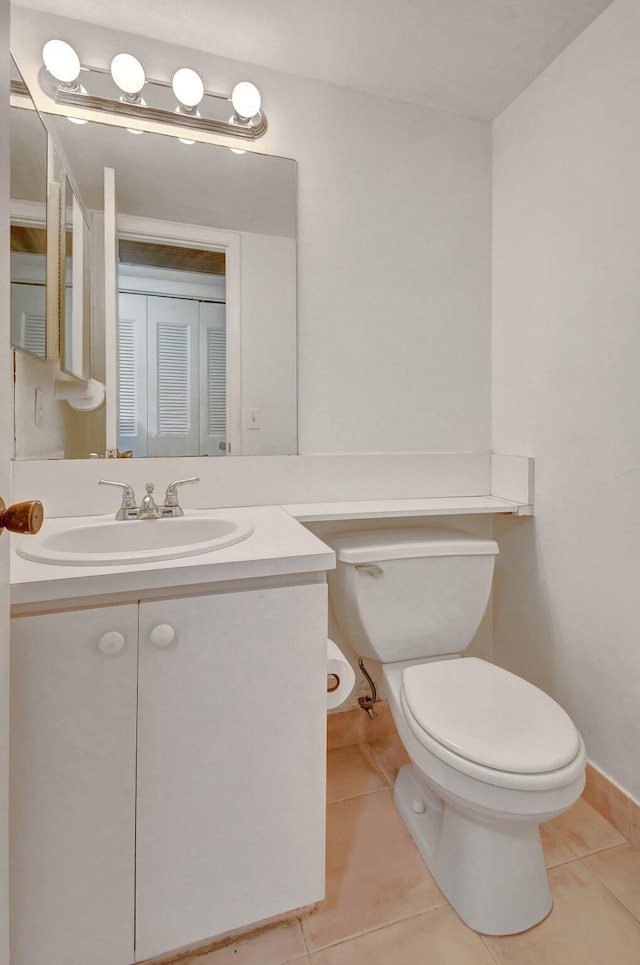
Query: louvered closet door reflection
x=132, y=374
x=172, y=376
x=28, y=319
x=213, y=380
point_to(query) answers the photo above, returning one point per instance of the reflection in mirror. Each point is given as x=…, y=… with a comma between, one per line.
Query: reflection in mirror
x=75, y=294
x=198, y=347
x=28, y=139
x=50, y=299
x=172, y=378
x=66, y=280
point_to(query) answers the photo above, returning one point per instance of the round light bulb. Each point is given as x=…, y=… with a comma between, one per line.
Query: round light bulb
x=61, y=61
x=246, y=99
x=188, y=87
x=128, y=73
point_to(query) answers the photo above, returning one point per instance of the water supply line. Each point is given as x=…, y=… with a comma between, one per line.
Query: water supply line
x=367, y=702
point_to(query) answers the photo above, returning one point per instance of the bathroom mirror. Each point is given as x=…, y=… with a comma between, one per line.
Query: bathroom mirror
x=198, y=347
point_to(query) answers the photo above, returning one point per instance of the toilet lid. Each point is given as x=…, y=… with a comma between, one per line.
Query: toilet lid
x=489, y=716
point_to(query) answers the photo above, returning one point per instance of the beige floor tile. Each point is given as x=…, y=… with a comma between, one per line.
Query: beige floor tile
x=437, y=938
x=276, y=946
x=352, y=771
x=584, y=830
x=619, y=868
x=608, y=799
x=555, y=850
x=587, y=926
x=390, y=754
x=345, y=727
x=375, y=875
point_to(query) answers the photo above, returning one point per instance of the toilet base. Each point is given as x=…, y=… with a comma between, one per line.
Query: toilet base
x=492, y=871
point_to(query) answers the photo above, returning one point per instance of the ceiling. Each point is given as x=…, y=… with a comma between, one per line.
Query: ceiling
x=470, y=57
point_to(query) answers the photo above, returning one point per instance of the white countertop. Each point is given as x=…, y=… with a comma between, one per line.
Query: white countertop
x=279, y=545
x=386, y=508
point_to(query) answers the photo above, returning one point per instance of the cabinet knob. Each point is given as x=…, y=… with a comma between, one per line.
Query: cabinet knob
x=111, y=642
x=162, y=635
x=22, y=517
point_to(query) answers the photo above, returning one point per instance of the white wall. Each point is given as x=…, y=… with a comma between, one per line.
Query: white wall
x=46, y=441
x=566, y=345
x=64, y=433
x=393, y=248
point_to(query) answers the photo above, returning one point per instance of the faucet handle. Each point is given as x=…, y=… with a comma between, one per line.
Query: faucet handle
x=128, y=506
x=171, y=495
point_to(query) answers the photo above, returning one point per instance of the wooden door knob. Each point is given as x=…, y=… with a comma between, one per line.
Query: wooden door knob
x=24, y=517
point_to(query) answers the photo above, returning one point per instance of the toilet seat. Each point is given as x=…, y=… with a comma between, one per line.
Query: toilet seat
x=489, y=724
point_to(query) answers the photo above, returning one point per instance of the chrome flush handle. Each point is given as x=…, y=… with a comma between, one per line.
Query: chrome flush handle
x=371, y=568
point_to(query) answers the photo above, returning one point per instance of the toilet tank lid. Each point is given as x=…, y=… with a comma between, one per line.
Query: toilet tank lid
x=369, y=546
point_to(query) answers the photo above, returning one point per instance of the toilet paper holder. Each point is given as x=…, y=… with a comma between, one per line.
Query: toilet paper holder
x=333, y=682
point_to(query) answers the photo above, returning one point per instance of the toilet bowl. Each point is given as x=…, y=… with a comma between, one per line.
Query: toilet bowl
x=476, y=826
x=492, y=756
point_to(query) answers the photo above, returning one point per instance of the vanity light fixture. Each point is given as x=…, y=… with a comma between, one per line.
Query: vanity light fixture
x=128, y=74
x=62, y=62
x=246, y=100
x=196, y=108
x=189, y=90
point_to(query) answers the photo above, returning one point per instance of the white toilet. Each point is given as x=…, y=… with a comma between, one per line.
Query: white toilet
x=492, y=755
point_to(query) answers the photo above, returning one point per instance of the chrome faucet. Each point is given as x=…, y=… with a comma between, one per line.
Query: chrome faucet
x=171, y=507
x=128, y=509
x=148, y=508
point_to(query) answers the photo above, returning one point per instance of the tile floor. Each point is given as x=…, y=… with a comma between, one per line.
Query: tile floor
x=382, y=906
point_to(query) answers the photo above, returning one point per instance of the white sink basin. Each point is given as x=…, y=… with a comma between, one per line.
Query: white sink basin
x=108, y=542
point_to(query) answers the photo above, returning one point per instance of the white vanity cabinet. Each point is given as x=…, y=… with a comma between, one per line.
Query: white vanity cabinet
x=72, y=786
x=198, y=747
x=231, y=793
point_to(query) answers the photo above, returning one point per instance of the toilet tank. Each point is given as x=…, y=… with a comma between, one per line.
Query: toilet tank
x=402, y=594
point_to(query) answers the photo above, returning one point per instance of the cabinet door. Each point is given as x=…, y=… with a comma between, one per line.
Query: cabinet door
x=231, y=762
x=72, y=787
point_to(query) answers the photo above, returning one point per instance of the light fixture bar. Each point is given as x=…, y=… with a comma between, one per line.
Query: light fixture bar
x=159, y=115
x=152, y=82
x=247, y=129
